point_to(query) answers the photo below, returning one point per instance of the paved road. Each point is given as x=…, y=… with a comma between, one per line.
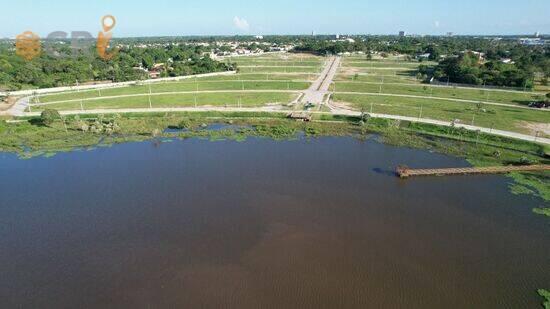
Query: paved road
x=319, y=88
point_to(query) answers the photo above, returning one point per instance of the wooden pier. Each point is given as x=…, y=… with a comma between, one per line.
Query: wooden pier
x=405, y=172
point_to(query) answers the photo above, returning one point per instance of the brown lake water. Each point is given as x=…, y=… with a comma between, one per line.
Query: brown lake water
x=308, y=223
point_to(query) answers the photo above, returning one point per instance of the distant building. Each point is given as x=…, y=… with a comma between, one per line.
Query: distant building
x=259, y=37
x=450, y=34
x=537, y=34
x=402, y=33
x=531, y=41
x=337, y=36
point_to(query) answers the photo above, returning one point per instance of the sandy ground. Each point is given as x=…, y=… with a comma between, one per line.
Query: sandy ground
x=534, y=127
x=7, y=104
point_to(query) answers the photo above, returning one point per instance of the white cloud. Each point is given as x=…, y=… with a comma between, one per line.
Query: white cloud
x=436, y=23
x=241, y=23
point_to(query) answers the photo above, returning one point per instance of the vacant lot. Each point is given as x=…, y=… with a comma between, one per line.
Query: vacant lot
x=178, y=100
x=376, y=81
x=515, y=98
x=186, y=86
x=498, y=117
x=279, y=69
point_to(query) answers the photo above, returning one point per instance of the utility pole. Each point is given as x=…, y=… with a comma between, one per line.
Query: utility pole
x=371, y=106
x=420, y=115
x=473, y=119
x=150, y=103
x=81, y=105
x=64, y=124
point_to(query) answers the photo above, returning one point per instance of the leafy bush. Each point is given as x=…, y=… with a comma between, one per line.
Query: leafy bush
x=48, y=116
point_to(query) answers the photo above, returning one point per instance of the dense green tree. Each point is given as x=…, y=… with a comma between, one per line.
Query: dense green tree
x=49, y=116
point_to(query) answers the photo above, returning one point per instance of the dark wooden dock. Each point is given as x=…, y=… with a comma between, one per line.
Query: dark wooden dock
x=405, y=172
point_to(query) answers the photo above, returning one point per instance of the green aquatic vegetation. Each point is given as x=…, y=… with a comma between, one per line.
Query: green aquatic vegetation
x=518, y=189
x=546, y=295
x=542, y=211
x=533, y=183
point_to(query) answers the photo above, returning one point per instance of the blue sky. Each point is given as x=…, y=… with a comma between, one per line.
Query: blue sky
x=171, y=17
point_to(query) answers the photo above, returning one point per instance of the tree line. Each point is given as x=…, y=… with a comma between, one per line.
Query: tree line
x=456, y=62
x=63, y=68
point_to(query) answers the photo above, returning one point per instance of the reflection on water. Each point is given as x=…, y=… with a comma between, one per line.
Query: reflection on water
x=263, y=224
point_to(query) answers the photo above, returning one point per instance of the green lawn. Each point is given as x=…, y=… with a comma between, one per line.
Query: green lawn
x=281, y=69
x=264, y=76
x=279, y=63
x=378, y=64
x=374, y=78
x=504, y=118
x=188, y=85
x=277, y=57
x=178, y=100
x=516, y=98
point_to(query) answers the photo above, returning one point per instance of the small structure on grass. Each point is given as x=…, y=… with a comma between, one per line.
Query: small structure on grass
x=300, y=116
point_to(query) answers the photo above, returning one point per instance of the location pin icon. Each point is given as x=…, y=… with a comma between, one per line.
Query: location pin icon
x=106, y=25
x=108, y=22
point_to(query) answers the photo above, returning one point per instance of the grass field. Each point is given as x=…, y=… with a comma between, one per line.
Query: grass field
x=279, y=63
x=515, y=98
x=178, y=100
x=265, y=76
x=384, y=64
x=178, y=87
x=279, y=69
x=272, y=77
x=378, y=78
x=398, y=78
x=497, y=117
